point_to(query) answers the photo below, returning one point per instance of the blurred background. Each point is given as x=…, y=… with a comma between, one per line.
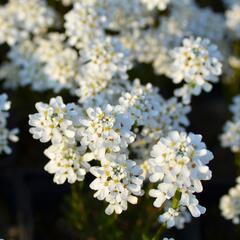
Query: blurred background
x=32, y=207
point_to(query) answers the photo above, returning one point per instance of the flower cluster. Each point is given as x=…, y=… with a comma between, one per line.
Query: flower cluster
x=44, y=63
x=119, y=131
x=185, y=20
x=19, y=19
x=78, y=137
x=178, y=165
x=118, y=181
x=6, y=135
x=107, y=133
x=231, y=135
x=111, y=35
x=233, y=19
x=230, y=204
x=197, y=63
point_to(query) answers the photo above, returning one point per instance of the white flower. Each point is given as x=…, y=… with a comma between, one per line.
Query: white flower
x=118, y=181
x=231, y=130
x=197, y=63
x=67, y=162
x=160, y=4
x=233, y=19
x=62, y=69
x=185, y=20
x=234, y=62
x=10, y=73
x=124, y=15
x=183, y=217
x=178, y=165
x=174, y=115
x=169, y=217
x=230, y=204
x=143, y=103
x=231, y=136
x=83, y=17
x=6, y=135
x=143, y=46
x=155, y=115
x=45, y=63
x=21, y=18
x=105, y=130
x=51, y=123
x=102, y=61
x=176, y=217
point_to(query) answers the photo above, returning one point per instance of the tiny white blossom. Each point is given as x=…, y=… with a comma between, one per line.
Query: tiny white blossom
x=197, y=63
x=106, y=130
x=67, y=162
x=118, y=181
x=231, y=136
x=51, y=123
x=178, y=165
x=102, y=61
x=169, y=217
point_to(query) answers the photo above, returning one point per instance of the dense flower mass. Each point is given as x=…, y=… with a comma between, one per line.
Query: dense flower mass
x=111, y=131
x=88, y=60
x=6, y=135
x=230, y=204
x=121, y=132
x=231, y=135
x=80, y=134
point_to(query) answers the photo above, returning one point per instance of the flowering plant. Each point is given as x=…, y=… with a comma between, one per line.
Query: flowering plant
x=114, y=132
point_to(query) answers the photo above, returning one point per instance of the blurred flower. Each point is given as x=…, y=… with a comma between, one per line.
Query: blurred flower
x=21, y=18
x=230, y=204
x=233, y=19
x=197, y=63
x=6, y=135
x=231, y=130
x=118, y=181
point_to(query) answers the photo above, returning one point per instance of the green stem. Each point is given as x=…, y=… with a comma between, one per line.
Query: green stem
x=176, y=200
x=160, y=232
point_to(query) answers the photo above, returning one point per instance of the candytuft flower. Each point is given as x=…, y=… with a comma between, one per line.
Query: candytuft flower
x=179, y=164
